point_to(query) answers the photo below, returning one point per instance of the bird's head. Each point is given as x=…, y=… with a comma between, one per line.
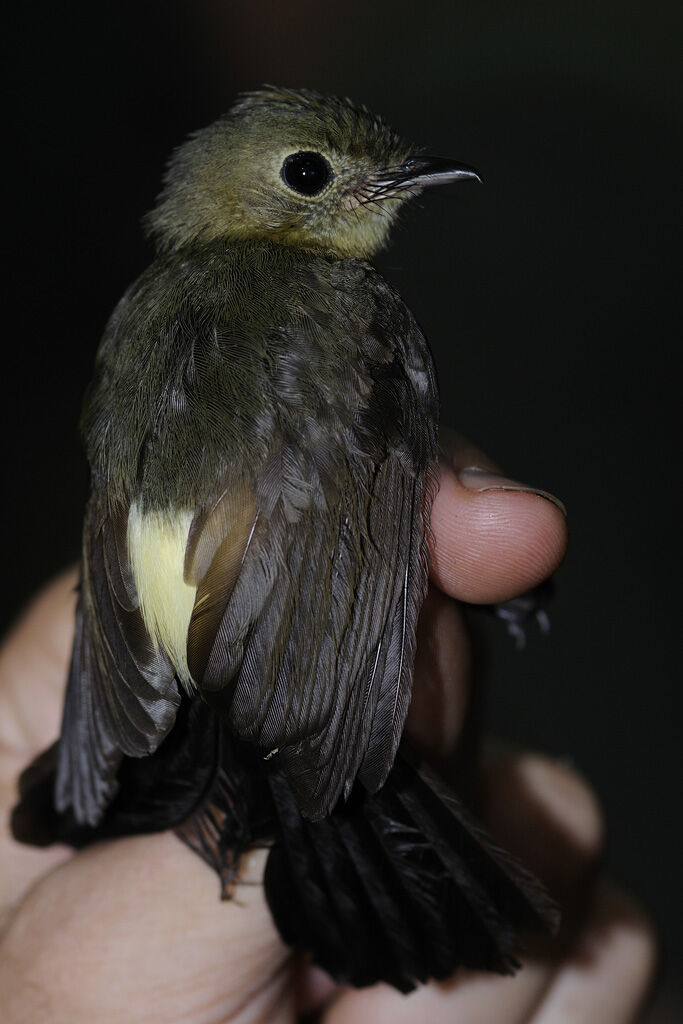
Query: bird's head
x=294, y=167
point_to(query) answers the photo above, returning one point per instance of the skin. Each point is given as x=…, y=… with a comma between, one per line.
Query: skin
x=132, y=930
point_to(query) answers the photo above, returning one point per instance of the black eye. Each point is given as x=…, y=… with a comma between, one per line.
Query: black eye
x=307, y=173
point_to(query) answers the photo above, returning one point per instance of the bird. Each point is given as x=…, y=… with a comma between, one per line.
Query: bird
x=262, y=430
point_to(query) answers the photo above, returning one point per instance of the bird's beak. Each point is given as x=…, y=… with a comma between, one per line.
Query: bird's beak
x=409, y=178
x=423, y=171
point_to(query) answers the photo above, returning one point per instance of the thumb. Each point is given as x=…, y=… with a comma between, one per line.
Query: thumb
x=135, y=930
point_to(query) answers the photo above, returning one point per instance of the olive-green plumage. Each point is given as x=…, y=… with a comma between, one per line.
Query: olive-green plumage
x=261, y=431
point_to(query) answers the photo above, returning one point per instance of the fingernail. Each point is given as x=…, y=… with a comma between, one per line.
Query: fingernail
x=476, y=478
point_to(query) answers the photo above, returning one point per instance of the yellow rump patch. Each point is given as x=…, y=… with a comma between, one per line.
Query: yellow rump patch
x=156, y=548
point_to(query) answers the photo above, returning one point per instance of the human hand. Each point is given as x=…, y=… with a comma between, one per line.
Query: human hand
x=134, y=930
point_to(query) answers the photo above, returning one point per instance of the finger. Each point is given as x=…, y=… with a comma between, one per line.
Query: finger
x=609, y=970
x=551, y=819
x=33, y=665
x=545, y=813
x=467, y=999
x=442, y=674
x=145, y=919
x=494, y=538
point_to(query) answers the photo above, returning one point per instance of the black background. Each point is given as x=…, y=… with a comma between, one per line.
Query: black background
x=548, y=297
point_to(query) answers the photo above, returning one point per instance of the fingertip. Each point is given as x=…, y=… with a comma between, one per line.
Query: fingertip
x=605, y=973
x=491, y=545
x=636, y=927
x=561, y=791
x=545, y=812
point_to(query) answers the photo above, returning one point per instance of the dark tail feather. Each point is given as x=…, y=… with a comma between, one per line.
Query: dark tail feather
x=400, y=886
x=153, y=793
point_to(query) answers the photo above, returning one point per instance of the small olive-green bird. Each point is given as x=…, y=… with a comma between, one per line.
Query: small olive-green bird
x=261, y=430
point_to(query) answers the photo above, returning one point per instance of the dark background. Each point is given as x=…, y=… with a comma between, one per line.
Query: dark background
x=548, y=297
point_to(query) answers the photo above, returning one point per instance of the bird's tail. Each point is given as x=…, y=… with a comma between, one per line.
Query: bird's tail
x=399, y=886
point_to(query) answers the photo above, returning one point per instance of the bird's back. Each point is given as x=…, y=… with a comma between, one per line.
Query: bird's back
x=218, y=351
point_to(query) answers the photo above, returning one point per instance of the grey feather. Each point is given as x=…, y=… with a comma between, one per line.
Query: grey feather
x=121, y=694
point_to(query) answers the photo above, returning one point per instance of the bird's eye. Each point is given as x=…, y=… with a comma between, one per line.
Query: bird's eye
x=306, y=173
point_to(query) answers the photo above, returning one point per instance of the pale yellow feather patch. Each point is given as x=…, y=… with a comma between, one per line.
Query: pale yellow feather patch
x=156, y=548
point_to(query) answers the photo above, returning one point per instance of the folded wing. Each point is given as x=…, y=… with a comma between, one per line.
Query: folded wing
x=121, y=694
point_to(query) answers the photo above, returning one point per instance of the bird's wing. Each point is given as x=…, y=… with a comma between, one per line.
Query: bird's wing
x=309, y=585
x=121, y=696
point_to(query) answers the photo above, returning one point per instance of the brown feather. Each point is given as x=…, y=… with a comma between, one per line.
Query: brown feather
x=217, y=546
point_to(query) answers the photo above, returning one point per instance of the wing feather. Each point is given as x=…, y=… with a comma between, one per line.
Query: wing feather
x=311, y=647
x=313, y=656
x=121, y=694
